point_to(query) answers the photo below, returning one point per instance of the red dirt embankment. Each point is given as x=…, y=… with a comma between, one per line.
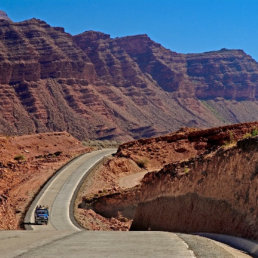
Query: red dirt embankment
x=26, y=163
x=209, y=182
x=210, y=194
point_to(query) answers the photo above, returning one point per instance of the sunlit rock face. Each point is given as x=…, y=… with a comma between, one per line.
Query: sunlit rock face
x=3, y=16
x=95, y=86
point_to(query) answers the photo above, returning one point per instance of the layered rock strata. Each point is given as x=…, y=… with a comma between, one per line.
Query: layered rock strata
x=95, y=86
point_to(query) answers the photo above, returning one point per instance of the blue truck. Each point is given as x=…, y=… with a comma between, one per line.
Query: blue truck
x=41, y=215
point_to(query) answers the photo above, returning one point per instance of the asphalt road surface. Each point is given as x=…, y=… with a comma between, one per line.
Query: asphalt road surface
x=62, y=238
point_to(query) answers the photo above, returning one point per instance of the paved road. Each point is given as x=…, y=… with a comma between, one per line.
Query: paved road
x=58, y=193
x=62, y=238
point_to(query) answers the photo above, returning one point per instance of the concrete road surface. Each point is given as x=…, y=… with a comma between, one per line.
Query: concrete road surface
x=62, y=238
x=58, y=193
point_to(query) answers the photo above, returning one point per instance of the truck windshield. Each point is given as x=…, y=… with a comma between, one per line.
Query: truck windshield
x=42, y=212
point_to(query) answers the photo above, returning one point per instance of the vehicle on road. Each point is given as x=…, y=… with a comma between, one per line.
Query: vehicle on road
x=41, y=215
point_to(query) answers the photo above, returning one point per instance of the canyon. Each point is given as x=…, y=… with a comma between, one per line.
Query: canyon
x=97, y=87
x=57, y=89
x=188, y=181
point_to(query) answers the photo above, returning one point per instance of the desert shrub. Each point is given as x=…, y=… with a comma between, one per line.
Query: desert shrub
x=254, y=132
x=247, y=135
x=186, y=170
x=232, y=141
x=142, y=163
x=58, y=153
x=231, y=137
x=19, y=157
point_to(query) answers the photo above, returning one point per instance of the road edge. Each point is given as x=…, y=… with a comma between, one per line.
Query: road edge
x=41, y=190
x=243, y=244
x=78, y=187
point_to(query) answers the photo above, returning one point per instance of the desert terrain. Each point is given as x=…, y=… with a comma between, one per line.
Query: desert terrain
x=27, y=162
x=188, y=181
x=179, y=132
x=97, y=87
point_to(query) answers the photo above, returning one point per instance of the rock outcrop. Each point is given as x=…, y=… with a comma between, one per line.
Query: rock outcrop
x=4, y=16
x=95, y=86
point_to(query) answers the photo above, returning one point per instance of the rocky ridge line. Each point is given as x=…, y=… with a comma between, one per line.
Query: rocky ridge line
x=98, y=87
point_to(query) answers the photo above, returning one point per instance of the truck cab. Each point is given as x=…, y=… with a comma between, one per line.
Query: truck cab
x=41, y=215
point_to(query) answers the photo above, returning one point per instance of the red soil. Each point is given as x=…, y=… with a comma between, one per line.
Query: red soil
x=26, y=163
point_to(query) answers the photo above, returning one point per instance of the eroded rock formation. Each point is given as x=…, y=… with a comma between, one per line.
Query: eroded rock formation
x=95, y=86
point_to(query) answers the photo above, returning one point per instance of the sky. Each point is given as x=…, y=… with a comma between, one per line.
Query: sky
x=184, y=26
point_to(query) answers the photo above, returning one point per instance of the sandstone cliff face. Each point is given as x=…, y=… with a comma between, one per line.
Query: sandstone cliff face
x=209, y=184
x=32, y=50
x=230, y=74
x=98, y=87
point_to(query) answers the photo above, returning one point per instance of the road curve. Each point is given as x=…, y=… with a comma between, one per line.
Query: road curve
x=57, y=194
x=62, y=238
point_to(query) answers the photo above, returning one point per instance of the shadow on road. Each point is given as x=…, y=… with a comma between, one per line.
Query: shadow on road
x=28, y=223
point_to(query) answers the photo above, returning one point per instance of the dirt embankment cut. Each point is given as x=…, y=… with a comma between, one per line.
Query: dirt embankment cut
x=26, y=163
x=212, y=188
x=211, y=194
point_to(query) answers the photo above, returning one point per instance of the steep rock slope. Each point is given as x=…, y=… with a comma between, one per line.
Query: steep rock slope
x=197, y=180
x=97, y=87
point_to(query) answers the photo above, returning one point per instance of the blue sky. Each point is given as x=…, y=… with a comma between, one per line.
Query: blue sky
x=185, y=26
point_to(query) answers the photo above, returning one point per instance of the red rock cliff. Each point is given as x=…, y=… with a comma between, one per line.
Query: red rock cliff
x=98, y=87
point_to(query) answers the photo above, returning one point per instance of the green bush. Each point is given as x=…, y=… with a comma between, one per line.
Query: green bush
x=19, y=157
x=254, y=132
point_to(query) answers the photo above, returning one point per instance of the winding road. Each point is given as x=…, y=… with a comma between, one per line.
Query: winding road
x=62, y=237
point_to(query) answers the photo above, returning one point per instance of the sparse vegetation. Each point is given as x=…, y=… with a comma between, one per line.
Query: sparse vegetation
x=186, y=170
x=19, y=157
x=58, y=153
x=254, y=132
x=49, y=155
x=247, y=135
x=231, y=137
x=142, y=163
x=232, y=141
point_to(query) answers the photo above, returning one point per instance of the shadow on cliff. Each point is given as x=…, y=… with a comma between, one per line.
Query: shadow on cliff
x=192, y=213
